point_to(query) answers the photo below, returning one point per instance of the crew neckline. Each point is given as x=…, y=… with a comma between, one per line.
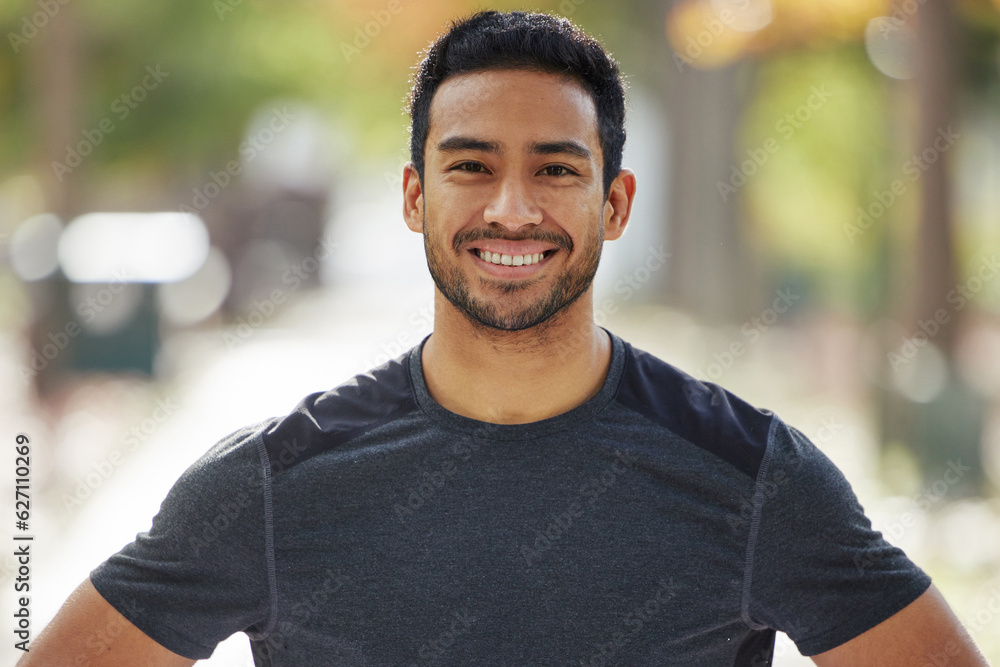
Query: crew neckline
x=573, y=417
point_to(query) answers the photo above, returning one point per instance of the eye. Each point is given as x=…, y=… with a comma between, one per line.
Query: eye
x=556, y=170
x=470, y=167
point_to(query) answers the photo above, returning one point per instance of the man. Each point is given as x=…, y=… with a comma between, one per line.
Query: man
x=523, y=488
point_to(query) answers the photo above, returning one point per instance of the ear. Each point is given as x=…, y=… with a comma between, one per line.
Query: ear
x=619, y=205
x=413, y=199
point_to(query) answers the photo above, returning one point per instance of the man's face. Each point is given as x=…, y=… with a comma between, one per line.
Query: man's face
x=512, y=203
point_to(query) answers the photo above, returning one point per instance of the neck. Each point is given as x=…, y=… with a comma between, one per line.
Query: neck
x=515, y=377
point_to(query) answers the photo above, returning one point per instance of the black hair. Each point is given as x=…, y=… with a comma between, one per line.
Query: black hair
x=520, y=40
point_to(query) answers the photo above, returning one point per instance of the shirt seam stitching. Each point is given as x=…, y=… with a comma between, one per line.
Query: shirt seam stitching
x=664, y=427
x=753, y=532
x=616, y=399
x=272, y=578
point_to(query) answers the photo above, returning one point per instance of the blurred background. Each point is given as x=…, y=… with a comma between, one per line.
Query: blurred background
x=200, y=223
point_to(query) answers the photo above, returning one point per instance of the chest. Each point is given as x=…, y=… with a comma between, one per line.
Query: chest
x=462, y=555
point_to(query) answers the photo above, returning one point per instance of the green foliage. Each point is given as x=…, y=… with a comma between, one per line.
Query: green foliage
x=827, y=112
x=226, y=58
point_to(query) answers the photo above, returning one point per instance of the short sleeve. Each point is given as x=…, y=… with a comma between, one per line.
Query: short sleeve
x=816, y=569
x=201, y=572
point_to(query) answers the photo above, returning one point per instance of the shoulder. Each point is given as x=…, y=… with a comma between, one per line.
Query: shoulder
x=702, y=413
x=325, y=420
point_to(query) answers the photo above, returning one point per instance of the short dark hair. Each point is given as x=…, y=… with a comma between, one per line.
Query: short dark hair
x=520, y=40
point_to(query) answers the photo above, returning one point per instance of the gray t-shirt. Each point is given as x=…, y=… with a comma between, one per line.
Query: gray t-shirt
x=663, y=522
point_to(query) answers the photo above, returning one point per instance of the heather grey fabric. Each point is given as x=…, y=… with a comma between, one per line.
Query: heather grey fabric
x=663, y=522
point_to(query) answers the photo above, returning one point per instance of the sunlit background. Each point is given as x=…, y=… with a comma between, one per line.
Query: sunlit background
x=200, y=223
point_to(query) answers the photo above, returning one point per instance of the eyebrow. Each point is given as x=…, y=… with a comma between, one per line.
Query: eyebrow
x=459, y=143
x=455, y=144
x=560, y=147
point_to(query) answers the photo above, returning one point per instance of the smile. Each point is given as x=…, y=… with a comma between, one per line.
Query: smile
x=511, y=260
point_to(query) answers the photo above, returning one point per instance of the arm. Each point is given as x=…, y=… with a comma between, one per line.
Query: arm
x=89, y=631
x=924, y=632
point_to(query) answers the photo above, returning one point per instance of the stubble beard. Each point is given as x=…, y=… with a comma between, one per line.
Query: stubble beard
x=503, y=315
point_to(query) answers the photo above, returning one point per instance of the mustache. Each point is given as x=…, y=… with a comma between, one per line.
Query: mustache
x=483, y=233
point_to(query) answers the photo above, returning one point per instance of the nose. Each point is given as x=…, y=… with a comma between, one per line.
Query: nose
x=513, y=205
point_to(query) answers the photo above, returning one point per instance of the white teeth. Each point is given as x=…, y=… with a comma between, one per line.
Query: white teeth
x=510, y=260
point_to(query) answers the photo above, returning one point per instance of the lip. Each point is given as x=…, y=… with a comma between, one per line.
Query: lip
x=511, y=272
